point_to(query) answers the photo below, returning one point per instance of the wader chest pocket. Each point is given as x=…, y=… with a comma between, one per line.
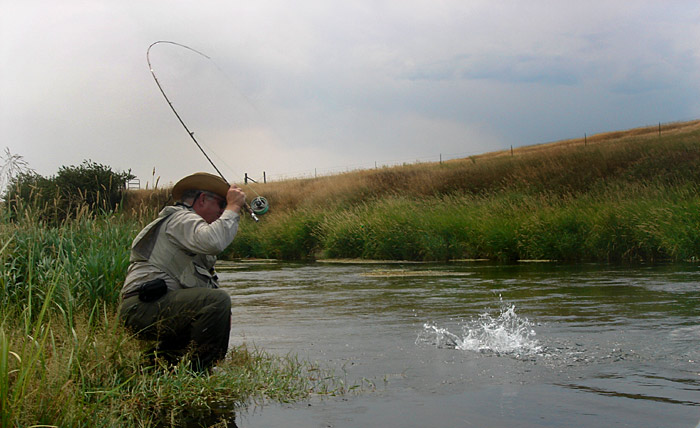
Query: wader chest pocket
x=152, y=290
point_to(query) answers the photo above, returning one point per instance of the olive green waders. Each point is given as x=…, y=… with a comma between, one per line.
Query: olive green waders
x=191, y=320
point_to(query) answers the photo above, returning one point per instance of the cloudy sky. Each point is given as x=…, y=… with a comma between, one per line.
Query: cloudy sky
x=311, y=87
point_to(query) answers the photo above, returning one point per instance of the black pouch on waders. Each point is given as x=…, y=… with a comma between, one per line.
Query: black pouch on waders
x=152, y=290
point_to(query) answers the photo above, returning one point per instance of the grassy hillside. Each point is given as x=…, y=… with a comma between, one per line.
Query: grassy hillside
x=627, y=195
x=561, y=167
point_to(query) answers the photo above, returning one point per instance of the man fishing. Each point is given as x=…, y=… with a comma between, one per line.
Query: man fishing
x=171, y=293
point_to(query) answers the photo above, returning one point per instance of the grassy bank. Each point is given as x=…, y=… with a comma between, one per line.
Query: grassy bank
x=643, y=222
x=65, y=360
x=623, y=196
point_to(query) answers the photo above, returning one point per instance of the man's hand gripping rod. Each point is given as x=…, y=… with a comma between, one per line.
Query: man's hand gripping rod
x=246, y=206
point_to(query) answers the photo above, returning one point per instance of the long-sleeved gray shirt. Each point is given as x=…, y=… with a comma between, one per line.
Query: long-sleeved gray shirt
x=179, y=247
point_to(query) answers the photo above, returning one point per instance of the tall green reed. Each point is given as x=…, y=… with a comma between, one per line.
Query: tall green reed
x=92, y=375
x=633, y=221
x=65, y=360
x=86, y=260
x=18, y=379
x=287, y=236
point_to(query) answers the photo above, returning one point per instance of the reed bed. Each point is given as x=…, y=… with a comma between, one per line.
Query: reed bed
x=143, y=203
x=66, y=360
x=635, y=223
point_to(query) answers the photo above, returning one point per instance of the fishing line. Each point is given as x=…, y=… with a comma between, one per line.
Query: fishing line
x=260, y=203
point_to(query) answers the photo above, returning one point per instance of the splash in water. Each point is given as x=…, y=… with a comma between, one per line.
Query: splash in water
x=507, y=333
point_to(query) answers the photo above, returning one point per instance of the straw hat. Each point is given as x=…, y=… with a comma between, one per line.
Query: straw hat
x=201, y=181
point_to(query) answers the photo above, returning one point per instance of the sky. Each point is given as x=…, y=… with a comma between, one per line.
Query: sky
x=313, y=87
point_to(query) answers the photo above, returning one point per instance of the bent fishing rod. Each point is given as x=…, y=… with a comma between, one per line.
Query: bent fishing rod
x=260, y=201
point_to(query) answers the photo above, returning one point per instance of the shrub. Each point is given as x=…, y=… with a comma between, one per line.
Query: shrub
x=90, y=187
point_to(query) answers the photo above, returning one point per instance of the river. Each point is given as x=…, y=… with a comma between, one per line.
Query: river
x=474, y=344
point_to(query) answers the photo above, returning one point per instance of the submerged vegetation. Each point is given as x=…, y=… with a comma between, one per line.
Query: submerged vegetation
x=623, y=196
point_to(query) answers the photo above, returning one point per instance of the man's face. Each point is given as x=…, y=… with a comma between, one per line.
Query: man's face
x=209, y=207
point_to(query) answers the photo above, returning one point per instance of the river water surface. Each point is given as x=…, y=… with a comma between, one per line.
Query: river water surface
x=478, y=345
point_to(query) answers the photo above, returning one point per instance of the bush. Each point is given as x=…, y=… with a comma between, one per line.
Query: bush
x=90, y=187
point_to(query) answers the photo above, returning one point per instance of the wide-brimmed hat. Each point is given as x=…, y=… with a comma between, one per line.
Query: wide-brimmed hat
x=201, y=181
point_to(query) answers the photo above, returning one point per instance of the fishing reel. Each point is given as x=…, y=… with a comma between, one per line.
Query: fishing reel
x=259, y=205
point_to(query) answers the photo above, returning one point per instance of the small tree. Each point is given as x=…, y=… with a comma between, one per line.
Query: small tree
x=92, y=184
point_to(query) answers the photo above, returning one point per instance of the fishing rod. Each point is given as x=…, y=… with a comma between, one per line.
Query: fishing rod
x=260, y=203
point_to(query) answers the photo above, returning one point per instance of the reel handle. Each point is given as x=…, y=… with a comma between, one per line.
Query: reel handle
x=250, y=211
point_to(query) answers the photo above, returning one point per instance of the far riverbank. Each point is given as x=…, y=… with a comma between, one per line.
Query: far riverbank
x=629, y=196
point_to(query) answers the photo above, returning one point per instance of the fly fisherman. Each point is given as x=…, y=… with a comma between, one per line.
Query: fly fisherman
x=171, y=293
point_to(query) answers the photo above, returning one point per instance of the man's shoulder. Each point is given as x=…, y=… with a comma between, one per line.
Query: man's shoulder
x=181, y=215
x=177, y=211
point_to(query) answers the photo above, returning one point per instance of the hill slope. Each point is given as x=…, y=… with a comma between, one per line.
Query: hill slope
x=565, y=167
x=621, y=196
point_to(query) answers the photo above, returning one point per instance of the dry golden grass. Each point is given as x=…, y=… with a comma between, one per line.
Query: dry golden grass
x=142, y=203
x=474, y=174
x=667, y=129
x=429, y=179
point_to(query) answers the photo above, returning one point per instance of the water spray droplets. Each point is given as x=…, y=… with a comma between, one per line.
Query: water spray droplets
x=506, y=333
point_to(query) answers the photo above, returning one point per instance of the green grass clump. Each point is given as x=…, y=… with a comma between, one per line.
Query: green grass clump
x=85, y=259
x=632, y=222
x=290, y=236
x=92, y=374
x=66, y=360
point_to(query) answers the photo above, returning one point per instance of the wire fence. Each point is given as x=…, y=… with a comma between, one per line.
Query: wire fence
x=266, y=176
x=341, y=169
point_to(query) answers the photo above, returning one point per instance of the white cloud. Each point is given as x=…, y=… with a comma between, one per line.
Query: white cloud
x=318, y=85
